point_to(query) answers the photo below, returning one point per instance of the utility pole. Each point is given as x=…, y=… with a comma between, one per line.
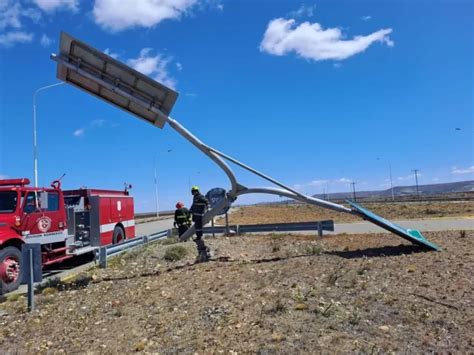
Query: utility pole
x=416, y=180
x=354, y=198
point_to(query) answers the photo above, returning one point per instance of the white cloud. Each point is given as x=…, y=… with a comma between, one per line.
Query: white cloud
x=118, y=15
x=53, y=5
x=323, y=183
x=366, y=18
x=98, y=123
x=316, y=183
x=79, y=132
x=94, y=125
x=153, y=66
x=311, y=41
x=45, y=40
x=457, y=171
x=408, y=177
x=10, y=38
x=179, y=66
x=110, y=53
x=304, y=11
x=220, y=7
x=344, y=180
x=12, y=13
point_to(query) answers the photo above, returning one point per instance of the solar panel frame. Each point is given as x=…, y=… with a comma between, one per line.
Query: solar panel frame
x=149, y=94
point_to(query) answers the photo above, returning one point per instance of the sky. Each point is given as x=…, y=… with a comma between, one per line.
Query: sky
x=315, y=94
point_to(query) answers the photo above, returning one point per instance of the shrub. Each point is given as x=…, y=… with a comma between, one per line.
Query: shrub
x=175, y=253
x=169, y=241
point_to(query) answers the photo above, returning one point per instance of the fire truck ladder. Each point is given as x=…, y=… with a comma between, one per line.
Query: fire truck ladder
x=112, y=81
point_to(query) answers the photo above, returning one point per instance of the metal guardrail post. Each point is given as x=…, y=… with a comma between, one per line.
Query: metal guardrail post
x=320, y=229
x=237, y=229
x=145, y=239
x=103, y=257
x=169, y=233
x=31, y=288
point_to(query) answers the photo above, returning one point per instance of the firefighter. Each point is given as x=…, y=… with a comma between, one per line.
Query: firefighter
x=182, y=218
x=198, y=209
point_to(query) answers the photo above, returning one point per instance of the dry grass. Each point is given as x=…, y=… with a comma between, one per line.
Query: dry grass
x=360, y=293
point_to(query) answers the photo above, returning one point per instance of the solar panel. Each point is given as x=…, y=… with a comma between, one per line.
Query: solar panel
x=411, y=235
x=107, y=78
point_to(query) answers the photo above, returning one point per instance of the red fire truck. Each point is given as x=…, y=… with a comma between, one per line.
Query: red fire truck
x=65, y=223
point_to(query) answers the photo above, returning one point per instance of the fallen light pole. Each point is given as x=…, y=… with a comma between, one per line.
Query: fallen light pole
x=114, y=82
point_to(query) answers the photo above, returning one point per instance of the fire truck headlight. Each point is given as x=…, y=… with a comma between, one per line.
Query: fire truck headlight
x=17, y=221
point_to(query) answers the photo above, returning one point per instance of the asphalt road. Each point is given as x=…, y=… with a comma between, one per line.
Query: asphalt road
x=424, y=225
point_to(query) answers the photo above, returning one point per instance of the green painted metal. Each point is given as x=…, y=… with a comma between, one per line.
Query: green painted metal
x=412, y=235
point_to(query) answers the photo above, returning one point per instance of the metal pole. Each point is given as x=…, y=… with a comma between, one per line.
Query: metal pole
x=35, y=142
x=416, y=180
x=212, y=225
x=353, y=192
x=391, y=181
x=226, y=224
x=31, y=295
x=156, y=193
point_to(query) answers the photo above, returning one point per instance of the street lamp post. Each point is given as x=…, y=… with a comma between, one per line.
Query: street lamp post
x=156, y=184
x=391, y=180
x=35, y=142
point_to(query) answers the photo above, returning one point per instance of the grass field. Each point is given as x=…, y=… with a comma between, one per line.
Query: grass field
x=263, y=294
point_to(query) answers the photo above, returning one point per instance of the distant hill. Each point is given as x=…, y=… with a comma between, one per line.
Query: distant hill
x=402, y=191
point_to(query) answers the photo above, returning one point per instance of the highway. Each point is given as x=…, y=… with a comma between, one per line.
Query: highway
x=424, y=225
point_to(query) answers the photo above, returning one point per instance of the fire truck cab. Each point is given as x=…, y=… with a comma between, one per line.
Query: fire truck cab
x=66, y=223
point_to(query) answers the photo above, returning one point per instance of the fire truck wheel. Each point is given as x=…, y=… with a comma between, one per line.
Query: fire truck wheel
x=10, y=261
x=119, y=235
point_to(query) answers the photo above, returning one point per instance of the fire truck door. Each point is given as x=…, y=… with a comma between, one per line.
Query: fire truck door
x=39, y=219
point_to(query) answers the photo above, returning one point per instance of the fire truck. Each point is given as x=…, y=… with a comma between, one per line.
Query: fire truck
x=66, y=223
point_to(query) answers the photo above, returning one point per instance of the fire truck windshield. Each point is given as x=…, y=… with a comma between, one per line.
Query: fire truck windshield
x=8, y=201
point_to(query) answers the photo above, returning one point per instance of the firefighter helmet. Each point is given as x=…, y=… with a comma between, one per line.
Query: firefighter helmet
x=194, y=188
x=179, y=205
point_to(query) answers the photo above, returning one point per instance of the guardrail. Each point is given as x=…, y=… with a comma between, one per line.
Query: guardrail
x=116, y=249
x=318, y=226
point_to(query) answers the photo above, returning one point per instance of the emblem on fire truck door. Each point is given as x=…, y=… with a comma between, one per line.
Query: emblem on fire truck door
x=44, y=224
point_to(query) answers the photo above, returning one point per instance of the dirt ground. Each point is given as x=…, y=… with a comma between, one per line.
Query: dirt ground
x=261, y=294
x=307, y=213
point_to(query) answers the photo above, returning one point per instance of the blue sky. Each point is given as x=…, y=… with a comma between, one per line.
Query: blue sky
x=315, y=94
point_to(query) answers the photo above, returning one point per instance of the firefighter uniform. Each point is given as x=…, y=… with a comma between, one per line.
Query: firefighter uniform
x=182, y=219
x=198, y=209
